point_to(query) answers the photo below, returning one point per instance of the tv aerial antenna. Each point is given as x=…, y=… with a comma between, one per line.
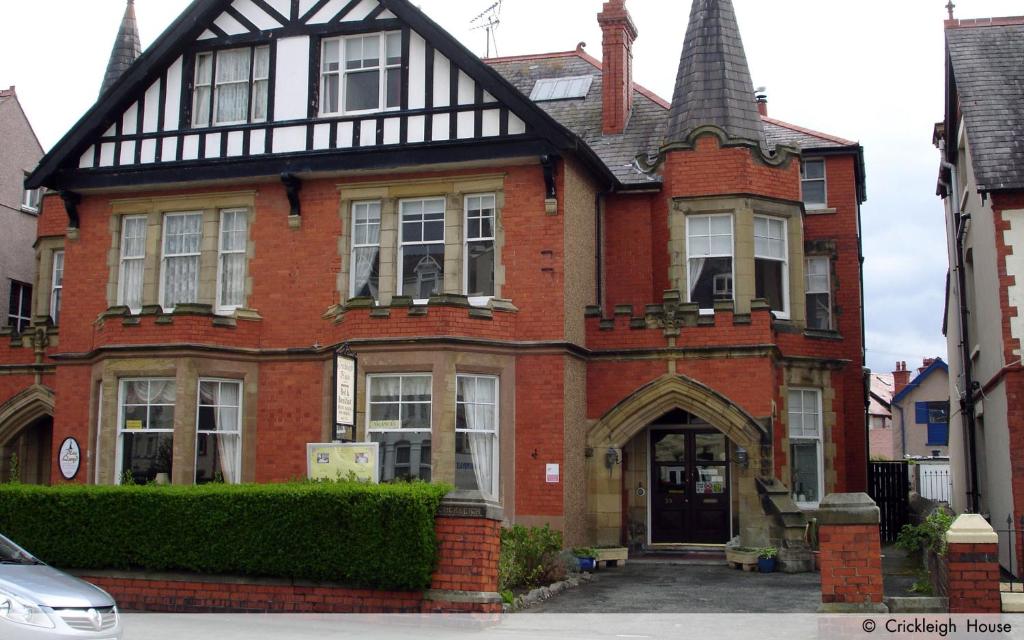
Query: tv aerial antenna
x=489, y=19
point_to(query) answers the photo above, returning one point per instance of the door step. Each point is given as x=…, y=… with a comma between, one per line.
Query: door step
x=681, y=554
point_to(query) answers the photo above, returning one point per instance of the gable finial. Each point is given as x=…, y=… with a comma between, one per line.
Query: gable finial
x=950, y=7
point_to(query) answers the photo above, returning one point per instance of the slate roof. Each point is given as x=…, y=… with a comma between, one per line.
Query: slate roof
x=988, y=68
x=127, y=48
x=881, y=395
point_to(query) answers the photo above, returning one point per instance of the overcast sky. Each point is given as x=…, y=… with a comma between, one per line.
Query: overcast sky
x=870, y=70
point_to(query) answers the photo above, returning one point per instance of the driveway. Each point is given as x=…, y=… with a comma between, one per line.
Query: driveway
x=664, y=587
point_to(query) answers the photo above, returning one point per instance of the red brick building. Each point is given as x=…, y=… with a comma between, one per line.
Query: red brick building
x=636, y=320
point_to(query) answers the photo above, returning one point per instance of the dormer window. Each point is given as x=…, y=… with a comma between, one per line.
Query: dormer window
x=231, y=87
x=361, y=74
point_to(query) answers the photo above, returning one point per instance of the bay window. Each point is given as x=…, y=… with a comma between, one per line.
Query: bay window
x=234, y=224
x=56, y=286
x=421, y=252
x=812, y=182
x=819, y=293
x=145, y=429
x=231, y=86
x=180, y=263
x=771, y=273
x=219, y=432
x=709, y=259
x=399, y=419
x=361, y=74
x=476, y=435
x=133, y=262
x=365, y=260
x=805, y=435
x=479, y=248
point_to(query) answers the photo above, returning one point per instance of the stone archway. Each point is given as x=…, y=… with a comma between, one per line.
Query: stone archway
x=26, y=429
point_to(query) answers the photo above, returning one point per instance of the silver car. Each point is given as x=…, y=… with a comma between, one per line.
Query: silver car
x=38, y=601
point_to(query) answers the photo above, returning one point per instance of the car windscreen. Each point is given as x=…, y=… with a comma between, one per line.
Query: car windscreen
x=11, y=553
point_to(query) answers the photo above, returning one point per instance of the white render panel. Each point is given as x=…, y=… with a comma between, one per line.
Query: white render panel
x=442, y=80
x=416, y=128
x=111, y=132
x=417, y=71
x=207, y=35
x=212, y=149
x=440, y=127
x=172, y=100
x=229, y=25
x=257, y=16
x=1014, y=239
x=387, y=15
x=492, y=123
x=344, y=135
x=292, y=79
x=257, y=142
x=151, y=113
x=361, y=10
x=236, y=142
x=284, y=7
x=392, y=130
x=368, y=133
x=328, y=11
x=148, y=151
x=515, y=125
x=322, y=137
x=190, y=148
x=127, y=153
x=467, y=89
x=107, y=154
x=130, y=120
x=304, y=6
x=85, y=162
x=170, y=149
x=465, y=125
x=289, y=139
x=488, y=97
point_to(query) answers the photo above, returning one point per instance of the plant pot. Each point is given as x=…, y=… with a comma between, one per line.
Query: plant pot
x=766, y=565
x=587, y=564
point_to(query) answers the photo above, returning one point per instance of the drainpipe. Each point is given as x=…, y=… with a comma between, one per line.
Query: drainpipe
x=960, y=221
x=903, y=435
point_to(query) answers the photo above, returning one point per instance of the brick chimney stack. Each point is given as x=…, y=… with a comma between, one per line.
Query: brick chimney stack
x=927, y=362
x=900, y=377
x=618, y=33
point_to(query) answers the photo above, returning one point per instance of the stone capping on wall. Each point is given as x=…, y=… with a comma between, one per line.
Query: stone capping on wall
x=848, y=508
x=971, y=528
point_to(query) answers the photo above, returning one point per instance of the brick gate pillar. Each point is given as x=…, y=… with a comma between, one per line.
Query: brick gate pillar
x=851, y=554
x=468, y=546
x=972, y=557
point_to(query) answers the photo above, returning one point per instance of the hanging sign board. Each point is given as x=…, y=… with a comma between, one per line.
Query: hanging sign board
x=69, y=458
x=335, y=461
x=345, y=365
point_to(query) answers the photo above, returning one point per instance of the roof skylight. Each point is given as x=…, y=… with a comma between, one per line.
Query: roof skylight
x=561, y=88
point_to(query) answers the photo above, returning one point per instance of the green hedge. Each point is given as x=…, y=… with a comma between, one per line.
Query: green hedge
x=373, y=536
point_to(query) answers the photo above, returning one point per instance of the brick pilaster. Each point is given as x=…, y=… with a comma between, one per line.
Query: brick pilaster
x=851, y=553
x=972, y=560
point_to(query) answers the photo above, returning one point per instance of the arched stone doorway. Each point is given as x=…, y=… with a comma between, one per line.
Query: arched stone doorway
x=26, y=436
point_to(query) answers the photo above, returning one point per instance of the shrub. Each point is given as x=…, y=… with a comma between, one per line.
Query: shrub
x=373, y=536
x=930, y=535
x=529, y=557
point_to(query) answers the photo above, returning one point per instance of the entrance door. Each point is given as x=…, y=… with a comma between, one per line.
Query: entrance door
x=689, y=487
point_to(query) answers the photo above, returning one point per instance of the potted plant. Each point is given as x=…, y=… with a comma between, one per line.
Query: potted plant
x=766, y=559
x=586, y=559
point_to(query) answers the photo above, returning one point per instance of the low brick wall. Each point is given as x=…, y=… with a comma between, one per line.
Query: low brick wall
x=465, y=581
x=850, y=554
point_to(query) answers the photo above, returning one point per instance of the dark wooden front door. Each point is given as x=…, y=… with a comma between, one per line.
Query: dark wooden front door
x=689, y=487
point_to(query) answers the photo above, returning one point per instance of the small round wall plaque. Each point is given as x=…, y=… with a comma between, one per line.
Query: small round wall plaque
x=69, y=458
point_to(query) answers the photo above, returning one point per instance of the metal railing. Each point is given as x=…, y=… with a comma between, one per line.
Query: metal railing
x=1009, y=538
x=935, y=484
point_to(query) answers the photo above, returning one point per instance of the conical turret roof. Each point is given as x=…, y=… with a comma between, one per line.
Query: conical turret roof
x=127, y=47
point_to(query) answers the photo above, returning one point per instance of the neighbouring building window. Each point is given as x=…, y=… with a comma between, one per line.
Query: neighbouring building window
x=399, y=420
x=234, y=225
x=56, y=286
x=231, y=86
x=805, y=434
x=812, y=179
x=30, y=199
x=710, y=259
x=479, y=251
x=19, y=314
x=180, y=265
x=361, y=73
x=365, y=262
x=219, y=432
x=133, y=262
x=146, y=430
x=819, y=293
x=935, y=414
x=476, y=435
x=421, y=254
x=771, y=272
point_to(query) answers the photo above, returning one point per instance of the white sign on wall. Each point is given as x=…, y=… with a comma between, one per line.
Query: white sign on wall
x=551, y=474
x=345, y=391
x=69, y=458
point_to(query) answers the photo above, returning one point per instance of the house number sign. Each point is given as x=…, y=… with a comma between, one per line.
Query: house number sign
x=69, y=458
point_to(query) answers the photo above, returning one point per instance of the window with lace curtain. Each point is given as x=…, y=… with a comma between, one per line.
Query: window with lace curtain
x=56, y=286
x=709, y=249
x=476, y=435
x=146, y=430
x=365, y=261
x=219, y=432
x=234, y=224
x=133, y=262
x=179, y=267
x=771, y=264
x=231, y=86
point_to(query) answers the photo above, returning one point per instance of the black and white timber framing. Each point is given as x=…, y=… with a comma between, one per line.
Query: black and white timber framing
x=454, y=108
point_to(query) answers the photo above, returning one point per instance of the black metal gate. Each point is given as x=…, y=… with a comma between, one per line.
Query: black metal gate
x=889, y=487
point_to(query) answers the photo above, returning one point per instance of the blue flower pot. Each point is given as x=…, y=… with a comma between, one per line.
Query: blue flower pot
x=587, y=564
x=766, y=565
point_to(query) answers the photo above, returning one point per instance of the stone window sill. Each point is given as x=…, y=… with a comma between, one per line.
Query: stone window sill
x=818, y=211
x=820, y=334
x=483, y=312
x=129, y=319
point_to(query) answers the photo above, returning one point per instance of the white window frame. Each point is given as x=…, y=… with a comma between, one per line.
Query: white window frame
x=402, y=244
x=31, y=200
x=784, y=314
x=341, y=73
x=55, y=288
x=164, y=255
x=812, y=206
x=221, y=308
x=121, y=280
x=370, y=430
x=238, y=425
x=466, y=240
x=213, y=86
x=828, y=285
x=355, y=245
x=731, y=255
x=818, y=440
x=496, y=457
x=24, y=309
x=122, y=387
